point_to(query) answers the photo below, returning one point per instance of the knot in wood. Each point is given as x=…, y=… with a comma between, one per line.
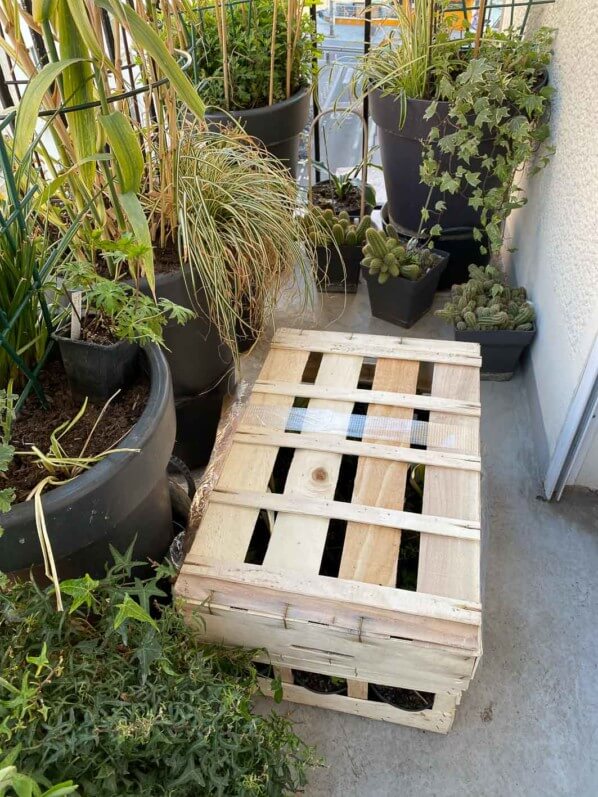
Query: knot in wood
x=319, y=475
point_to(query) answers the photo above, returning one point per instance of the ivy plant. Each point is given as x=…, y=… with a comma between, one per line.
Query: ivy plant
x=116, y=694
x=495, y=124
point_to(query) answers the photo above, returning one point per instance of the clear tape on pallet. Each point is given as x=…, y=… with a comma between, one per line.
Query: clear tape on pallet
x=356, y=426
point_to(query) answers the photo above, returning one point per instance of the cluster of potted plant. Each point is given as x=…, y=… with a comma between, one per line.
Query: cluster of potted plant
x=458, y=115
x=138, y=256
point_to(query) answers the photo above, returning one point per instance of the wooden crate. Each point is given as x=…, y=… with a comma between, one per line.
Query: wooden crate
x=324, y=405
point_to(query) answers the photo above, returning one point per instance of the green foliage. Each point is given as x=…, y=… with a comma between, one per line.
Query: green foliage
x=249, y=42
x=121, y=307
x=495, y=98
x=487, y=302
x=342, y=184
x=7, y=415
x=15, y=784
x=386, y=256
x=324, y=227
x=127, y=702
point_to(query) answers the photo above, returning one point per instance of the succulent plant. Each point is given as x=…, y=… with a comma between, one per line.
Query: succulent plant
x=487, y=302
x=324, y=227
x=387, y=256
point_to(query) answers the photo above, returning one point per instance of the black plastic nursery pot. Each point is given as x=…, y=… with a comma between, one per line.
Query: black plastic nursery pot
x=338, y=269
x=401, y=151
x=459, y=244
x=196, y=355
x=405, y=699
x=321, y=684
x=197, y=419
x=501, y=349
x=97, y=371
x=277, y=126
x=401, y=301
x=122, y=498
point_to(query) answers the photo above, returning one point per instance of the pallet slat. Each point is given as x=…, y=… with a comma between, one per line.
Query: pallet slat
x=375, y=516
x=384, y=397
x=378, y=346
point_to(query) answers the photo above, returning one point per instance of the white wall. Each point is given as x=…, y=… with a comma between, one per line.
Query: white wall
x=556, y=234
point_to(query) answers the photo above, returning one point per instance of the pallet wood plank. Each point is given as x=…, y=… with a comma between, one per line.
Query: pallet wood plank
x=371, y=554
x=451, y=567
x=386, y=397
x=340, y=510
x=371, y=446
x=245, y=466
x=428, y=720
x=293, y=543
x=452, y=353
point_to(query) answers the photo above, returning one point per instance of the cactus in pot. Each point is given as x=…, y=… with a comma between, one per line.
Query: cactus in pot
x=385, y=255
x=324, y=228
x=486, y=302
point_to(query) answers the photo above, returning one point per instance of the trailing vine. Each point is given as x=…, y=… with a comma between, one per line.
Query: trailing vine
x=496, y=122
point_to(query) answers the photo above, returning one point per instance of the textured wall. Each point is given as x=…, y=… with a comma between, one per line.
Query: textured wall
x=556, y=234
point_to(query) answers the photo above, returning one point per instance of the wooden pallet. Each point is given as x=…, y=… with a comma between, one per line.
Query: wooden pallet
x=281, y=475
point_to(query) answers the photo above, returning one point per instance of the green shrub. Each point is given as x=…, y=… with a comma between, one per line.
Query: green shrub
x=487, y=302
x=116, y=694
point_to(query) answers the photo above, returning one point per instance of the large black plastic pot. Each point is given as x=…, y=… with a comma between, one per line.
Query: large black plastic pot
x=331, y=275
x=501, y=349
x=402, y=301
x=196, y=355
x=277, y=126
x=401, y=151
x=124, y=496
x=460, y=245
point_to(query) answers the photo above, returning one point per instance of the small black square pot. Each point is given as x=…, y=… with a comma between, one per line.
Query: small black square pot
x=331, y=277
x=98, y=371
x=501, y=349
x=402, y=301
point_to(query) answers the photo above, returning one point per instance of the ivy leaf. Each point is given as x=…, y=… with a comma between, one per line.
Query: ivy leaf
x=436, y=231
x=431, y=110
x=440, y=206
x=277, y=692
x=131, y=610
x=149, y=651
x=80, y=590
x=448, y=183
x=7, y=496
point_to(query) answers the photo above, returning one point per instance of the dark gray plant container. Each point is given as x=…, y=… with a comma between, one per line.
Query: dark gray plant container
x=196, y=355
x=97, y=371
x=401, y=301
x=277, y=126
x=334, y=277
x=460, y=245
x=123, y=497
x=501, y=349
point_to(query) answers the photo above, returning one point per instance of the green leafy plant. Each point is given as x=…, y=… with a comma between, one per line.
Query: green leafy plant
x=324, y=227
x=248, y=54
x=15, y=784
x=7, y=416
x=385, y=255
x=117, y=693
x=496, y=122
x=486, y=302
x=241, y=234
x=117, y=310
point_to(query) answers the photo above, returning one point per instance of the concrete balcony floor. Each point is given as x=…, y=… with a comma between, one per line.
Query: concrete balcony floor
x=528, y=725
